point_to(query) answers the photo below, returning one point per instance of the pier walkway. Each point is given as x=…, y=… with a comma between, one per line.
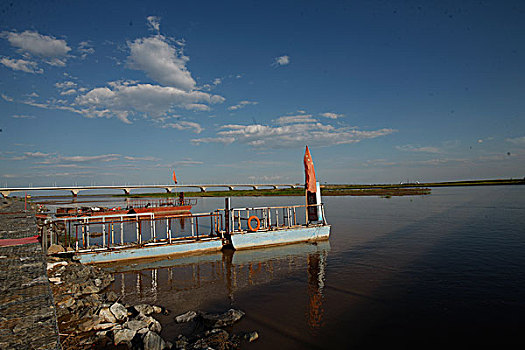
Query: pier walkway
x=27, y=311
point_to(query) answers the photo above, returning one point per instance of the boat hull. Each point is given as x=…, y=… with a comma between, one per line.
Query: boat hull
x=279, y=237
x=151, y=251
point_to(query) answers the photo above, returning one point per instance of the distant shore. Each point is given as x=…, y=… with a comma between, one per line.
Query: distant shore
x=382, y=192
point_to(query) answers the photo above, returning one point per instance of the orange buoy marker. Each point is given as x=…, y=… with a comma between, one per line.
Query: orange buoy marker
x=253, y=217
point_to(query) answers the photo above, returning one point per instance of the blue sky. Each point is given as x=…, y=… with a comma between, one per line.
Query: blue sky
x=381, y=91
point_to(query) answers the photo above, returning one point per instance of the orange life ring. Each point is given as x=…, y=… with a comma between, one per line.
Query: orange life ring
x=250, y=223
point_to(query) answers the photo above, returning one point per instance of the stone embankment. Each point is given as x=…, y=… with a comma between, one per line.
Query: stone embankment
x=59, y=303
x=27, y=312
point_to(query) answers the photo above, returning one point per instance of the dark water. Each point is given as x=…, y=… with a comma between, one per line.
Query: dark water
x=445, y=270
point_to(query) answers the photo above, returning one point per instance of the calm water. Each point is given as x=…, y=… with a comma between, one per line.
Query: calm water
x=412, y=272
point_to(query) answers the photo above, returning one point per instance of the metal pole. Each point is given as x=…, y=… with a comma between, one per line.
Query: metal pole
x=121, y=230
x=103, y=232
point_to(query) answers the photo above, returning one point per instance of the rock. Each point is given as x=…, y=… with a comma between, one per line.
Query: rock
x=153, y=341
x=102, y=326
x=215, y=339
x=55, y=280
x=98, y=282
x=68, y=301
x=152, y=323
x=146, y=309
x=55, y=248
x=107, y=315
x=186, y=317
x=111, y=296
x=136, y=325
x=221, y=320
x=90, y=289
x=89, y=325
x=123, y=336
x=119, y=311
x=53, y=264
x=251, y=336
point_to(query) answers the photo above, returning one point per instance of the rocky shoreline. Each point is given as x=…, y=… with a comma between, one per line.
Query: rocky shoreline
x=91, y=316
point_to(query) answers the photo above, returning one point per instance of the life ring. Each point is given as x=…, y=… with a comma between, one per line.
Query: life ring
x=253, y=217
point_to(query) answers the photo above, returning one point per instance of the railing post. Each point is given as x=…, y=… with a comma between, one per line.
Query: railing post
x=87, y=233
x=103, y=232
x=122, y=230
x=76, y=237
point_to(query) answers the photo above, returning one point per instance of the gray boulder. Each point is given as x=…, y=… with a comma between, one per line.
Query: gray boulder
x=119, y=311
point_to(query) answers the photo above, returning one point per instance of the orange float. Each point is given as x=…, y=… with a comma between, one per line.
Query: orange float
x=253, y=217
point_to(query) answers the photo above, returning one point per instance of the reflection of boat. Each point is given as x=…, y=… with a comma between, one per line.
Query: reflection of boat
x=159, y=207
x=188, y=283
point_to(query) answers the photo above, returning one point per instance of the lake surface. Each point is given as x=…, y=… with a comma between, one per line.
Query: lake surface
x=410, y=272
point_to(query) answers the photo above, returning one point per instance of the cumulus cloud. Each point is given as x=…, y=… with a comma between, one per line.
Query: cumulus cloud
x=282, y=60
x=161, y=61
x=291, y=135
x=123, y=100
x=412, y=148
x=37, y=44
x=242, y=104
x=21, y=65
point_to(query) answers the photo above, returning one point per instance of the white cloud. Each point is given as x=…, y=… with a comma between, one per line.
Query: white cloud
x=154, y=22
x=242, y=104
x=293, y=119
x=291, y=135
x=123, y=100
x=164, y=63
x=332, y=115
x=21, y=116
x=85, y=48
x=184, y=125
x=147, y=158
x=7, y=98
x=412, y=148
x=66, y=85
x=37, y=44
x=517, y=140
x=83, y=159
x=187, y=162
x=68, y=92
x=282, y=60
x=21, y=65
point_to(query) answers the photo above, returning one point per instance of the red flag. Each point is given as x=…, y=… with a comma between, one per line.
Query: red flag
x=174, y=177
x=309, y=172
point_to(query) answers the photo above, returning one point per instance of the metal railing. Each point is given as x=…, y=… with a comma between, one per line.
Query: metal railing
x=274, y=218
x=105, y=232
x=89, y=233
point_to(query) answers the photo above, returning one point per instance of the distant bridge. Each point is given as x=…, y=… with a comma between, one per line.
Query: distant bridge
x=6, y=191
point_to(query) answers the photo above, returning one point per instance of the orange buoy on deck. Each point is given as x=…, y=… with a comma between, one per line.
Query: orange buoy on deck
x=253, y=217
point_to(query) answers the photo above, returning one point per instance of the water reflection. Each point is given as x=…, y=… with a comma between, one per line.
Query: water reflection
x=193, y=282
